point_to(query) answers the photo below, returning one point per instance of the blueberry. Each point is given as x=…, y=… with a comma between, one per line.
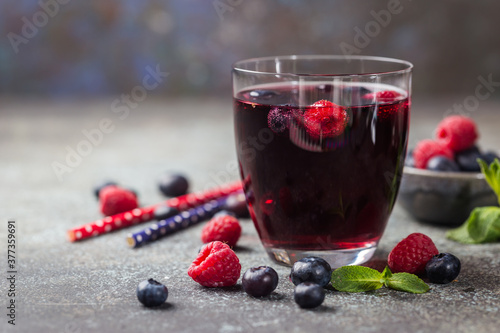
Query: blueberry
x=410, y=161
x=224, y=213
x=151, y=293
x=355, y=90
x=262, y=94
x=442, y=163
x=489, y=157
x=325, y=88
x=102, y=185
x=163, y=212
x=237, y=204
x=173, y=184
x=467, y=159
x=311, y=269
x=309, y=295
x=443, y=268
x=260, y=281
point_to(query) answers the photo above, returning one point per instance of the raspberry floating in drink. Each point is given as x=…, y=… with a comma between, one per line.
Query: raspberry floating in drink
x=383, y=96
x=325, y=119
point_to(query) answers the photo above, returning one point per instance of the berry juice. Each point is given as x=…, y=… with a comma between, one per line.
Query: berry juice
x=321, y=163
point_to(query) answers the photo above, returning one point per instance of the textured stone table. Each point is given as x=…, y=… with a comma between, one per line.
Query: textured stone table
x=90, y=286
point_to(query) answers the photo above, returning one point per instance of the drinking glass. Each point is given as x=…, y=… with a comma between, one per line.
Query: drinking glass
x=321, y=142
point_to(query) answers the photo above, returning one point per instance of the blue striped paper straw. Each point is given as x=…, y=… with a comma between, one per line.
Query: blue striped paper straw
x=175, y=223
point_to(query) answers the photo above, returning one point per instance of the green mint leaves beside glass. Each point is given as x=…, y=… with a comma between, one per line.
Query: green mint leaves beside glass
x=483, y=224
x=359, y=278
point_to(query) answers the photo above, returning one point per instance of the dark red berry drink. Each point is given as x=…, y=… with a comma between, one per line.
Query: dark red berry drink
x=321, y=163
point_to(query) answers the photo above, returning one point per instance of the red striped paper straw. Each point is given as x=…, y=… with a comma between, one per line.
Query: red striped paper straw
x=145, y=214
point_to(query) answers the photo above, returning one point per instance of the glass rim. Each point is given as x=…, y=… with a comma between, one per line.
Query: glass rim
x=407, y=69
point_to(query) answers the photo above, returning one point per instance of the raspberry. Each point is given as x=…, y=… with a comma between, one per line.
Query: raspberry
x=457, y=132
x=412, y=254
x=325, y=119
x=216, y=266
x=383, y=96
x=427, y=149
x=224, y=228
x=114, y=200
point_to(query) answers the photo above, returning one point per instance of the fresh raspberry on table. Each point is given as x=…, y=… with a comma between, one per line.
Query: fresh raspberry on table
x=427, y=149
x=325, y=119
x=412, y=254
x=114, y=200
x=383, y=96
x=225, y=228
x=216, y=266
x=457, y=132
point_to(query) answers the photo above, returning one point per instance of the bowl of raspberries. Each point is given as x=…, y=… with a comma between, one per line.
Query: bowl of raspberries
x=442, y=180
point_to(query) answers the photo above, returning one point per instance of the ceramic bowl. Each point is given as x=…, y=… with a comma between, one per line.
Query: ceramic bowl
x=445, y=198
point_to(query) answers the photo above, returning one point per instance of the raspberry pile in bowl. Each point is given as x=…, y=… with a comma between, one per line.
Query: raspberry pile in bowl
x=453, y=149
x=442, y=182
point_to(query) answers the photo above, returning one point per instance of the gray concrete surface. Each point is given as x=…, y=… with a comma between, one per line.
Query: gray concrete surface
x=90, y=286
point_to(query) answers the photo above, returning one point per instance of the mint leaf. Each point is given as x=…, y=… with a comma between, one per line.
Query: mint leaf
x=485, y=227
x=356, y=279
x=492, y=175
x=482, y=226
x=386, y=274
x=407, y=282
x=461, y=234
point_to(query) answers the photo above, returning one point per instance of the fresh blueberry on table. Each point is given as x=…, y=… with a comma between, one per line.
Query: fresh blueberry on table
x=467, y=159
x=163, y=212
x=237, y=204
x=309, y=295
x=98, y=187
x=173, y=184
x=311, y=269
x=260, y=281
x=442, y=163
x=152, y=293
x=443, y=268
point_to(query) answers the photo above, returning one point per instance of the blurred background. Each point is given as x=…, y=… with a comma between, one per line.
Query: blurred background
x=74, y=49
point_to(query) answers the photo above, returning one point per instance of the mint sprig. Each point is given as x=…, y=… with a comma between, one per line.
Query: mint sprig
x=492, y=175
x=359, y=279
x=483, y=224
